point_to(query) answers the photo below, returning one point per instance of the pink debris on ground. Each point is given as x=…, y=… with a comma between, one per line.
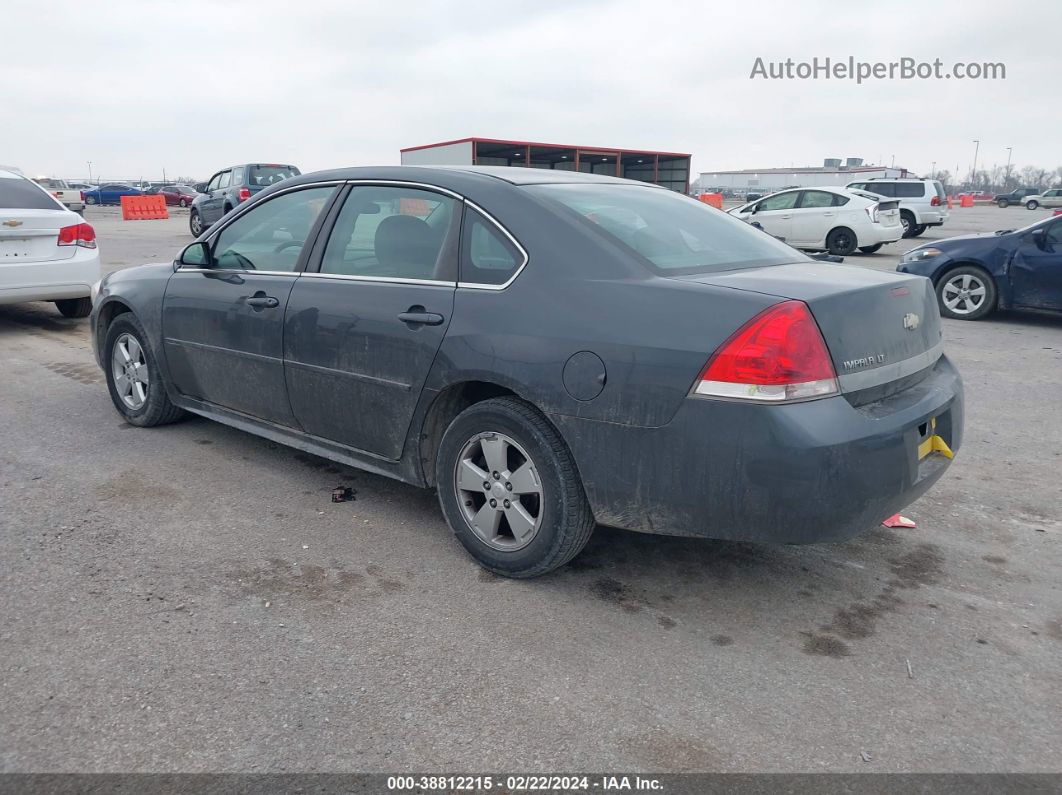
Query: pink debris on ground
x=896, y=520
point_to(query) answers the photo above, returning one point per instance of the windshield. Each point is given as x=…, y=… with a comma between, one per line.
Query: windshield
x=672, y=234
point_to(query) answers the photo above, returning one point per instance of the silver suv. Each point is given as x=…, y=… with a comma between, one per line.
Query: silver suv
x=922, y=201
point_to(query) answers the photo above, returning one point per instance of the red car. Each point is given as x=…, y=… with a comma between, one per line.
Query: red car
x=180, y=195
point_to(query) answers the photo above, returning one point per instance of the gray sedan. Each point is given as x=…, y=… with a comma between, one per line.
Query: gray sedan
x=550, y=351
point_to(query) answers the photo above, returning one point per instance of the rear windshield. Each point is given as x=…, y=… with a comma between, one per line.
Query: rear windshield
x=266, y=175
x=939, y=189
x=21, y=194
x=672, y=234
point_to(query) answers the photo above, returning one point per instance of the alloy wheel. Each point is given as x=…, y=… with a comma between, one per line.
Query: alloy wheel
x=129, y=371
x=963, y=294
x=499, y=490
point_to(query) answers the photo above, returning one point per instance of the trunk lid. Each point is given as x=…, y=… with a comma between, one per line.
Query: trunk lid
x=33, y=235
x=879, y=327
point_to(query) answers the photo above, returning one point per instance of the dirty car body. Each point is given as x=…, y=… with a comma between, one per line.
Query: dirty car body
x=620, y=319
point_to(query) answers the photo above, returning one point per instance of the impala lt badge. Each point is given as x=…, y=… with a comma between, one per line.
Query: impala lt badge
x=911, y=321
x=865, y=361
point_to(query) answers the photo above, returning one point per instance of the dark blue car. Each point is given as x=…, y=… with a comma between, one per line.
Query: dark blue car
x=1011, y=269
x=111, y=193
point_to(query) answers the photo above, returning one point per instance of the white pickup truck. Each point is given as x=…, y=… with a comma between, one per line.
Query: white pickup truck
x=69, y=197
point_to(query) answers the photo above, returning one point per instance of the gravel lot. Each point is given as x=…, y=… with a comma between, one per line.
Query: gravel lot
x=188, y=599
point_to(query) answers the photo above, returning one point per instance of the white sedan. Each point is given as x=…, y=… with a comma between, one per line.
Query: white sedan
x=47, y=252
x=832, y=219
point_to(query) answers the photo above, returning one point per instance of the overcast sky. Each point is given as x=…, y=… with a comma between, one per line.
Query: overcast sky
x=190, y=86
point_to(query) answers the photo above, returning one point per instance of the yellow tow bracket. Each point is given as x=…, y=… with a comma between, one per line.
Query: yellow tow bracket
x=934, y=444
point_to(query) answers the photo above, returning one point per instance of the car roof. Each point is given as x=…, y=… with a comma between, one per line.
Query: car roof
x=447, y=175
x=5, y=174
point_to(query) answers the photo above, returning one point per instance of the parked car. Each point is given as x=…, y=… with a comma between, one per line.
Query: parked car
x=1011, y=269
x=923, y=202
x=47, y=252
x=549, y=350
x=1049, y=198
x=1016, y=196
x=179, y=195
x=232, y=186
x=110, y=193
x=827, y=218
x=71, y=198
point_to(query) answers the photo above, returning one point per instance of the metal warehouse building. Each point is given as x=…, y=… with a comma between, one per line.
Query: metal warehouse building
x=766, y=180
x=668, y=169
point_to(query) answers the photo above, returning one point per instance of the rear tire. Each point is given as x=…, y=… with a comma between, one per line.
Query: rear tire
x=182, y=203
x=552, y=518
x=841, y=241
x=90, y=200
x=918, y=230
x=966, y=293
x=146, y=405
x=871, y=249
x=74, y=307
x=1032, y=205
x=907, y=221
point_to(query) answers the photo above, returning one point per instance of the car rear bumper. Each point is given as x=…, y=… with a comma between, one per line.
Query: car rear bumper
x=879, y=233
x=801, y=473
x=50, y=280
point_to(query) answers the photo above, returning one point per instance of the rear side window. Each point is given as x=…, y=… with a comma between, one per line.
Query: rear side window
x=820, y=198
x=882, y=188
x=21, y=194
x=386, y=232
x=225, y=177
x=939, y=189
x=264, y=175
x=237, y=175
x=669, y=233
x=488, y=256
x=910, y=190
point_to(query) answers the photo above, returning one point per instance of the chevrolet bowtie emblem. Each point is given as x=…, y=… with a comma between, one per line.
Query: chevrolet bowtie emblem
x=911, y=321
x=13, y=223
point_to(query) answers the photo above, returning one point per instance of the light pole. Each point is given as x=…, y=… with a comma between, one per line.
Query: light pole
x=90, y=170
x=933, y=170
x=1006, y=179
x=973, y=170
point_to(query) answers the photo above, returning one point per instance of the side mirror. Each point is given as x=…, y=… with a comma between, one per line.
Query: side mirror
x=752, y=209
x=1039, y=237
x=195, y=255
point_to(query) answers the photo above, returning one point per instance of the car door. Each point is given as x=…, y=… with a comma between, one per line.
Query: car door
x=1053, y=198
x=814, y=216
x=365, y=321
x=1036, y=269
x=210, y=207
x=774, y=214
x=223, y=321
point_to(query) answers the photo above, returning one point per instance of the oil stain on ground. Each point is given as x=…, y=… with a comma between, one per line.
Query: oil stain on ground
x=275, y=579
x=921, y=566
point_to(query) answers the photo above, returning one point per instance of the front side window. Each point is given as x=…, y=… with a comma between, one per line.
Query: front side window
x=389, y=232
x=271, y=236
x=488, y=256
x=781, y=201
x=214, y=182
x=671, y=234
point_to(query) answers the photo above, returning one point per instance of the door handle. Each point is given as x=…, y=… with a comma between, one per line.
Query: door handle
x=262, y=302
x=785, y=217
x=416, y=316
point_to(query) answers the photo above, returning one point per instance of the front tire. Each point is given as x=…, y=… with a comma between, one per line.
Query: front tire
x=1032, y=205
x=510, y=491
x=966, y=293
x=133, y=376
x=841, y=241
x=195, y=223
x=871, y=249
x=1003, y=204
x=74, y=307
x=182, y=203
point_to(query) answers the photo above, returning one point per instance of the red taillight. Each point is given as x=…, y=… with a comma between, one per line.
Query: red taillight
x=244, y=194
x=934, y=202
x=777, y=356
x=82, y=197
x=77, y=235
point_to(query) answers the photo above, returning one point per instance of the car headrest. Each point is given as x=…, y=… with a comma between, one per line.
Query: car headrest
x=406, y=243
